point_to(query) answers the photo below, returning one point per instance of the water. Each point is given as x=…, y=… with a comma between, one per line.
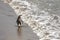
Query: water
x=41, y=16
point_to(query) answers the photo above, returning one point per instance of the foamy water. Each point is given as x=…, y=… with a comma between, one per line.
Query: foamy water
x=45, y=25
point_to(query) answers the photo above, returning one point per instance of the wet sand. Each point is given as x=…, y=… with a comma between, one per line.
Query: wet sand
x=8, y=28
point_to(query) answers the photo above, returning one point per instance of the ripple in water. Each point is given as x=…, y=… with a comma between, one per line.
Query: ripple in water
x=45, y=25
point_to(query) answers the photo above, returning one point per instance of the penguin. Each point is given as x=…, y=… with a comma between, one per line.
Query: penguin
x=18, y=21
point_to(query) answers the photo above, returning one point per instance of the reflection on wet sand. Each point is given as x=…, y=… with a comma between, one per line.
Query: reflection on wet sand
x=19, y=32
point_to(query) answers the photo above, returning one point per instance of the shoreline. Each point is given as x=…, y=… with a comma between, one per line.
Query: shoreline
x=46, y=26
